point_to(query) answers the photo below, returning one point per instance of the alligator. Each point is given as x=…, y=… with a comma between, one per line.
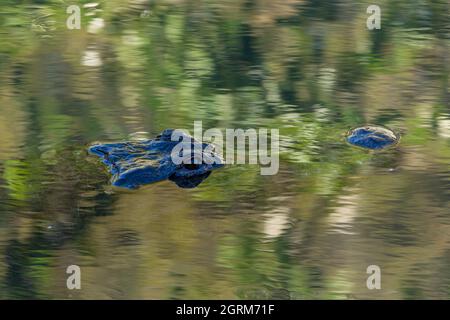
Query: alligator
x=372, y=137
x=136, y=163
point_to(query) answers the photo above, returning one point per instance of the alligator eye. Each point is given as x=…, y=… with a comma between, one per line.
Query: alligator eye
x=191, y=166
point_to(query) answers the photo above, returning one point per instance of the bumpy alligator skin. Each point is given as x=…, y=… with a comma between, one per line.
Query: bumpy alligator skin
x=137, y=163
x=372, y=137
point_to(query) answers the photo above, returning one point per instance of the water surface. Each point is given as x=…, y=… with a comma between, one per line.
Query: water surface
x=309, y=68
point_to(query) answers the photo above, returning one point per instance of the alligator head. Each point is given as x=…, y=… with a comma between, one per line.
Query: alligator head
x=137, y=163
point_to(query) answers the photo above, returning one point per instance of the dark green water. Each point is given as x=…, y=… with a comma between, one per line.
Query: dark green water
x=309, y=68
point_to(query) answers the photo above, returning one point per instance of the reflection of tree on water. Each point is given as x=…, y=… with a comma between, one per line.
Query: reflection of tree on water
x=53, y=215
